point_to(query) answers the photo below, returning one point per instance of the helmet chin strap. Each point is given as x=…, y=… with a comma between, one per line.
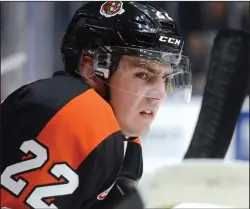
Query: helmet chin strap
x=107, y=95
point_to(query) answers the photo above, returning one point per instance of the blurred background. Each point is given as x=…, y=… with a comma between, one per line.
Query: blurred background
x=31, y=34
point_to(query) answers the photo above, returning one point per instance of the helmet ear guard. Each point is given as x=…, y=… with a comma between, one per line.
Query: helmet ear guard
x=103, y=66
x=104, y=62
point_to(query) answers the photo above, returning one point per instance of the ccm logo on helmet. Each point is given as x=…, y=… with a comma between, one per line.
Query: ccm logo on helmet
x=173, y=41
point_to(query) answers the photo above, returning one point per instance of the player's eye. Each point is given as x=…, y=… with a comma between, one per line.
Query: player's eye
x=143, y=76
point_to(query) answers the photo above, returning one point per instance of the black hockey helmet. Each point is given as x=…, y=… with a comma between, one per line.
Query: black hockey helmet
x=108, y=30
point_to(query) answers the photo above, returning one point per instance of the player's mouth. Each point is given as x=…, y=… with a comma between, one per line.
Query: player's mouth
x=147, y=114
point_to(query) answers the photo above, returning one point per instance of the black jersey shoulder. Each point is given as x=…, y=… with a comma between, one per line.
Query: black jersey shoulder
x=26, y=111
x=43, y=98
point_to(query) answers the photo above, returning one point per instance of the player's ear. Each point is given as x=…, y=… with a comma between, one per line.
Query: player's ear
x=86, y=67
x=87, y=71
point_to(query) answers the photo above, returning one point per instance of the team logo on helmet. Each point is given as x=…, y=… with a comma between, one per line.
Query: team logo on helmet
x=111, y=8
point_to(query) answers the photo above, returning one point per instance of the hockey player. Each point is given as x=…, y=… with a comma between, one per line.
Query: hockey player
x=71, y=141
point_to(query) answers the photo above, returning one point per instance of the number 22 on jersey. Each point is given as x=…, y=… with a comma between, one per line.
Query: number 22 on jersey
x=58, y=170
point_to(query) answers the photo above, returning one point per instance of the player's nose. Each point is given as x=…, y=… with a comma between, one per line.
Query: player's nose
x=158, y=91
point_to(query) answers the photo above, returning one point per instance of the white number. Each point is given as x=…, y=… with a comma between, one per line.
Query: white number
x=58, y=170
x=41, y=156
x=35, y=199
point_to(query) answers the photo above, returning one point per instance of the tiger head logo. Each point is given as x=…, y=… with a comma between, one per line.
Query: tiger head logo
x=111, y=8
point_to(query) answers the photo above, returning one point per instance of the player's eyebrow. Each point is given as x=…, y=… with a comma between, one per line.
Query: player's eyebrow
x=153, y=70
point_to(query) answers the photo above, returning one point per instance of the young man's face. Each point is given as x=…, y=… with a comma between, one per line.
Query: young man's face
x=137, y=91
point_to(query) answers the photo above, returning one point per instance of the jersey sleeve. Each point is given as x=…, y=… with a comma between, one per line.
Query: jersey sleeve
x=72, y=135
